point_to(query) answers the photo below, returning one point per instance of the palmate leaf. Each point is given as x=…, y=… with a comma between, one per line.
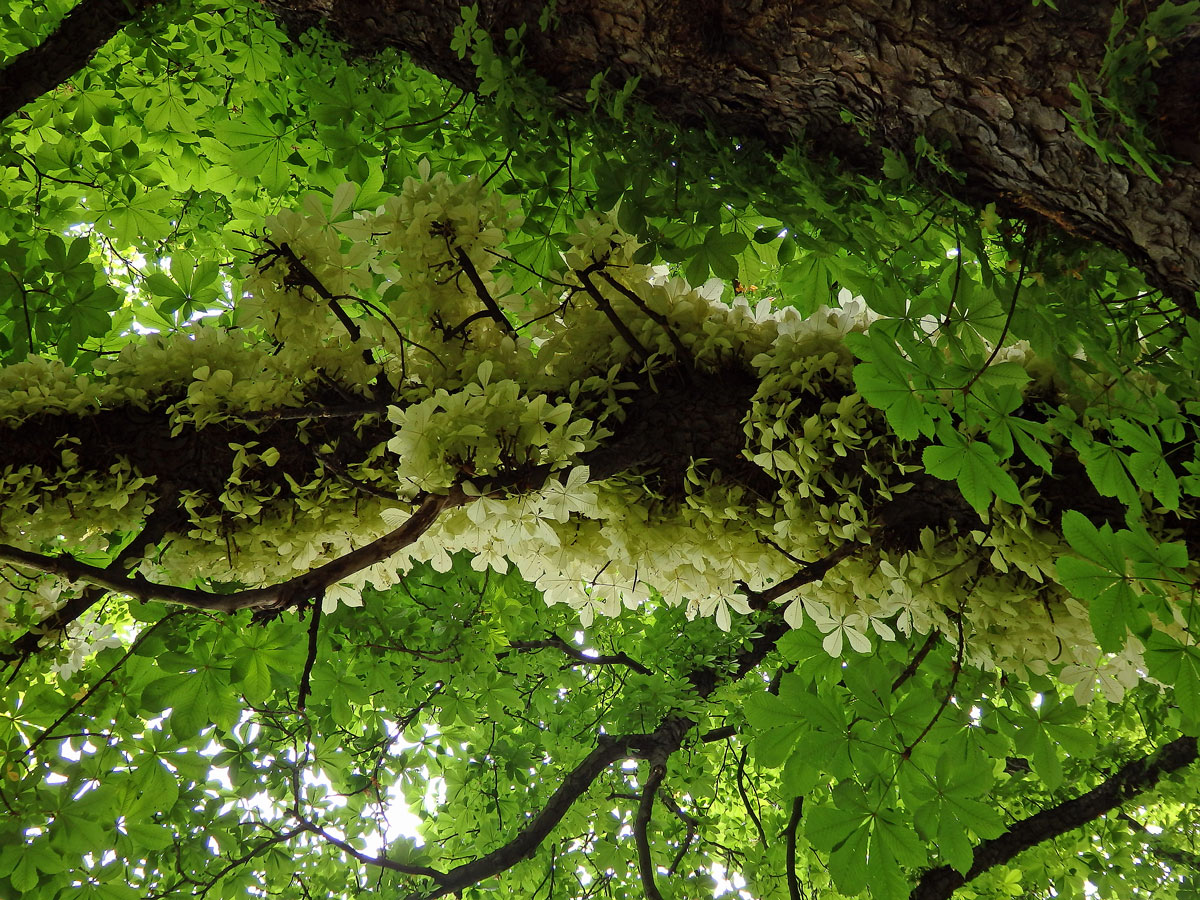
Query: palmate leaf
x=842, y=829
x=138, y=218
x=975, y=467
x=892, y=383
x=1100, y=580
x=778, y=721
x=1106, y=467
x=1178, y=664
x=868, y=845
x=946, y=809
x=1113, y=605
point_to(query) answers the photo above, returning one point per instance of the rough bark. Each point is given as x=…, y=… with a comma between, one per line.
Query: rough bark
x=1130, y=780
x=987, y=81
x=76, y=39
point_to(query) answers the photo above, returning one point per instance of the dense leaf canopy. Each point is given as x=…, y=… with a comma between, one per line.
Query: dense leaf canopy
x=420, y=492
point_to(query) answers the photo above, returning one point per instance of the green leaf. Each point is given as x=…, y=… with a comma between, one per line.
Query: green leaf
x=159, y=788
x=1177, y=664
x=1105, y=466
x=976, y=469
x=25, y=876
x=153, y=837
x=893, y=384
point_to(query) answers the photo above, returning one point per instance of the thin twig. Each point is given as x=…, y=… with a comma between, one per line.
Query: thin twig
x=1012, y=308
x=289, y=413
x=485, y=296
x=741, y=786
x=954, y=672
x=45, y=735
x=658, y=318
x=814, y=571
x=690, y=823
x=911, y=669
x=557, y=643
x=605, y=307
x=301, y=275
x=381, y=861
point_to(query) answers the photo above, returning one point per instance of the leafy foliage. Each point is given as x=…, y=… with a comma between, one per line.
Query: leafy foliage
x=941, y=585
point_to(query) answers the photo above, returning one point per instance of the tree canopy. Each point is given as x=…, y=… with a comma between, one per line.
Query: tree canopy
x=433, y=488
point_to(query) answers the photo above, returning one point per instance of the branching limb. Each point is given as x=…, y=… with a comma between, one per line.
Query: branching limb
x=381, y=861
x=911, y=669
x=641, y=827
x=493, y=308
x=550, y=870
x=202, y=887
x=609, y=749
x=155, y=528
x=78, y=37
x=273, y=598
x=300, y=275
x=48, y=733
x=689, y=822
x=659, y=319
x=955, y=670
x=636, y=346
x=1130, y=780
x=814, y=571
x=1153, y=842
x=557, y=643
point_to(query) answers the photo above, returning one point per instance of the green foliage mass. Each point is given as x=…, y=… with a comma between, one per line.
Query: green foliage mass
x=152, y=751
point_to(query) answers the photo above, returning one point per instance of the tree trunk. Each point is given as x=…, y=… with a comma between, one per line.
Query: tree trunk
x=987, y=82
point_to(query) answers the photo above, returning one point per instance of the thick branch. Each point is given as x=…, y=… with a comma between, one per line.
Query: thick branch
x=641, y=829
x=814, y=571
x=1130, y=780
x=789, y=834
x=78, y=37
x=157, y=525
x=610, y=748
x=288, y=593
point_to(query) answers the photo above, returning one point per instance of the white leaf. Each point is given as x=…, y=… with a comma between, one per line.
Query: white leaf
x=859, y=641
x=723, y=620
x=833, y=643
x=393, y=518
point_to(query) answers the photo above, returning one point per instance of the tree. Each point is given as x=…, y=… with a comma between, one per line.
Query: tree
x=321, y=375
